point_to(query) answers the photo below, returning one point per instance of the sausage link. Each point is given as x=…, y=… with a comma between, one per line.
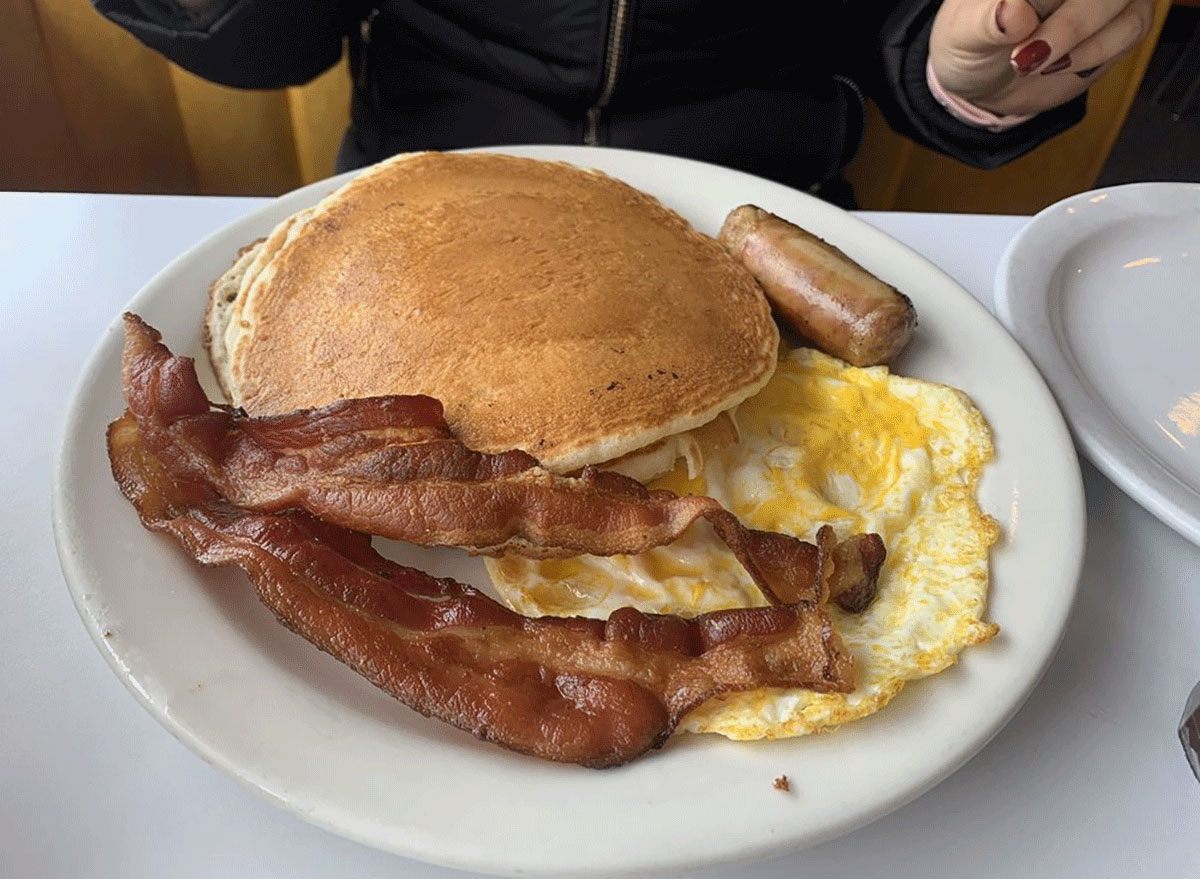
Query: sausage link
x=819, y=291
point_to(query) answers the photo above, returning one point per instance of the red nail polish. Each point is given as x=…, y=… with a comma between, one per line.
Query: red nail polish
x=1028, y=59
x=1000, y=16
x=1061, y=64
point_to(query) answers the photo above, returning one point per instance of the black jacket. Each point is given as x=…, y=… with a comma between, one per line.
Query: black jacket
x=774, y=88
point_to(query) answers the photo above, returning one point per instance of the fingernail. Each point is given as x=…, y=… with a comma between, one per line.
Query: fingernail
x=1084, y=74
x=1027, y=60
x=1000, y=16
x=1061, y=64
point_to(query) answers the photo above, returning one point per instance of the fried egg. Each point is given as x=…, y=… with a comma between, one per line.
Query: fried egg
x=823, y=442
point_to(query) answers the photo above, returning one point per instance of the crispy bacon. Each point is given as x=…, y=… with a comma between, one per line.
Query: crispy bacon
x=390, y=466
x=593, y=692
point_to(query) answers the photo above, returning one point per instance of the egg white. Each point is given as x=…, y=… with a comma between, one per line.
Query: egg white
x=823, y=442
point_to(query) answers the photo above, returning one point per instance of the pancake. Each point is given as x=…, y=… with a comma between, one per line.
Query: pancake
x=223, y=320
x=550, y=308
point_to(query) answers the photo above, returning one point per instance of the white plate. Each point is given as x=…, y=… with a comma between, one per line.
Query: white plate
x=214, y=667
x=1103, y=290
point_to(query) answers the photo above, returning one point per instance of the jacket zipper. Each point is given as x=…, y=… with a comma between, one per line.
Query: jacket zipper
x=854, y=87
x=612, y=63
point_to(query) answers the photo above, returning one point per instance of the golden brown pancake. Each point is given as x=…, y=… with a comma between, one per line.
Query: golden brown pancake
x=550, y=308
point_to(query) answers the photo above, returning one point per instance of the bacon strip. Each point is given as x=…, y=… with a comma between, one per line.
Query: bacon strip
x=390, y=466
x=593, y=692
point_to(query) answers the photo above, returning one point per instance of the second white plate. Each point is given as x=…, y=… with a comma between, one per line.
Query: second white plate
x=1103, y=290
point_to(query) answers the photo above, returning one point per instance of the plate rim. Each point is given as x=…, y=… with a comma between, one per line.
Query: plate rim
x=75, y=574
x=1106, y=441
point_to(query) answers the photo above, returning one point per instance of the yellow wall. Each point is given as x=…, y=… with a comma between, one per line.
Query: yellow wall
x=99, y=111
x=86, y=107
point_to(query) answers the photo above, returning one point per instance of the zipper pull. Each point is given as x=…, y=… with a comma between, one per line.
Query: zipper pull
x=364, y=37
x=591, y=131
x=364, y=26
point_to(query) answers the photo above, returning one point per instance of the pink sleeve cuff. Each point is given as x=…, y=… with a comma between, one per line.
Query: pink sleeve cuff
x=965, y=111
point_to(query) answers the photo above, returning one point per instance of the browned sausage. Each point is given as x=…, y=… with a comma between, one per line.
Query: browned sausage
x=819, y=291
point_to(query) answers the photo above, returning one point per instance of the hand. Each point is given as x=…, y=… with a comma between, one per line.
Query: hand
x=1002, y=56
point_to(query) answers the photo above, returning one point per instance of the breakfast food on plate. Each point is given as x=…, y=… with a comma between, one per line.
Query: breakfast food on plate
x=860, y=449
x=823, y=294
x=390, y=466
x=550, y=309
x=584, y=691
x=692, y=528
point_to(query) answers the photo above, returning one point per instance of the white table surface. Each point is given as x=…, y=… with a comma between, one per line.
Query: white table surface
x=1087, y=780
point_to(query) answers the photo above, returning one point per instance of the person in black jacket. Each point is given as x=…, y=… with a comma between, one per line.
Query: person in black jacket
x=774, y=88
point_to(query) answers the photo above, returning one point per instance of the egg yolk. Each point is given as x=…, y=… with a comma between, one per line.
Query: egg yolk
x=836, y=443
